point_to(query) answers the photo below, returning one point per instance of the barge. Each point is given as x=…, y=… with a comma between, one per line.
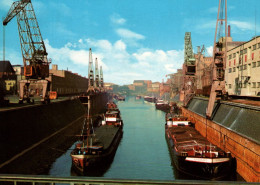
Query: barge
x=151, y=99
x=192, y=154
x=99, y=145
x=162, y=105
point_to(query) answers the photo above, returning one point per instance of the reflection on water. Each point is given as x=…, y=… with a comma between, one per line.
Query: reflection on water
x=142, y=152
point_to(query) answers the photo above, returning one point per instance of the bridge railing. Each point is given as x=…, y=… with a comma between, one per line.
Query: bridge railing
x=49, y=180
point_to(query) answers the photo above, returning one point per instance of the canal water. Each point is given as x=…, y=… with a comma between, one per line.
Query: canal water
x=142, y=152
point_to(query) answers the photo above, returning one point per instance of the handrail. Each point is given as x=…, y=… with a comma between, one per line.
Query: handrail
x=40, y=179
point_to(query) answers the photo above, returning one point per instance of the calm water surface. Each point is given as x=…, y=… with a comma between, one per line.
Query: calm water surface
x=142, y=152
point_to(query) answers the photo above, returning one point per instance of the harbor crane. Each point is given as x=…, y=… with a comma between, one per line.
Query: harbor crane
x=97, y=88
x=91, y=89
x=199, y=70
x=36, y=65
x=101, y=79
x=219, y=58
x=189, y=71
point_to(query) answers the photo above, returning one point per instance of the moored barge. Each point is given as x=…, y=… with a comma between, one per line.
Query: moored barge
x=151, y=99
x=162, y=105
x=100, y=144
x=192, y=154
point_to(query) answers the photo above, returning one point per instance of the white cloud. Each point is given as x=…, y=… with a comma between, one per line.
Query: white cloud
x=209, y=50
x=116, y=19
x=119, y=65
x=242, y=25
x=125, y=33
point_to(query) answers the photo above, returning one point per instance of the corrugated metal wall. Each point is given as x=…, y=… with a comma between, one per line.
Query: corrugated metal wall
x=244, y=120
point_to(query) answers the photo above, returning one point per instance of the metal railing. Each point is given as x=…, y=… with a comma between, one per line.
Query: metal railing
x=49, y=180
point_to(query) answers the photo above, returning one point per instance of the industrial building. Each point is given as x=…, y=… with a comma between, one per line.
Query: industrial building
x=66, y=83
x=243, y=69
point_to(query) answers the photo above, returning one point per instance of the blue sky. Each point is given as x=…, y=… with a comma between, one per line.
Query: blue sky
x=133, y=40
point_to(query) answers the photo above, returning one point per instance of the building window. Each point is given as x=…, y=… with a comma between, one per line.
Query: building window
x=254, y=85
x=252, y=56
x=229, y=57
x=258, y=63
x=234, y=55
x=245, y=67
x=230, y=70
x=240, y=68
x=258, y=84
x=229, y=86
x=254, y=47
x=245, y=58
x=234, y=69
x=253, y=64
x=258, y=45
x=245, y=51
x=229, y=63
x=234, y=61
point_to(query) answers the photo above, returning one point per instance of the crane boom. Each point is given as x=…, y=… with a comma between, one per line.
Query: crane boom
x=14, y=10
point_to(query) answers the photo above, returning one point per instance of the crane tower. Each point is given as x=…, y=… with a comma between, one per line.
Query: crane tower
x=189, y=70
x=91, y=82
x=36, y=65
x=219, y=58
x=96, y=76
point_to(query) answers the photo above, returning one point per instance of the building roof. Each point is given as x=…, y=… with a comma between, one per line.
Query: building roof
x=5, y=66
x=243, y=43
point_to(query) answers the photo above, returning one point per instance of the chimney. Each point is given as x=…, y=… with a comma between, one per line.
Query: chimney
x=229, y=30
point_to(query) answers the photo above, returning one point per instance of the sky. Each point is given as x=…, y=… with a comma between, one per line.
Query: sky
x=133, y=40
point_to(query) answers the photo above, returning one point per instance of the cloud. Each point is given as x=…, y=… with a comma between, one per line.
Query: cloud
x=242, y=25
x=209, y=50
x=116, y=19
x=119, y=65
x=125, y=33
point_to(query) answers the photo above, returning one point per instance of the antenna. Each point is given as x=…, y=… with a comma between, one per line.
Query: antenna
x=255, y=22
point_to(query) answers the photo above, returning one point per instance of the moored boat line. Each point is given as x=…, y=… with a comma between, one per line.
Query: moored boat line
x=192, y=154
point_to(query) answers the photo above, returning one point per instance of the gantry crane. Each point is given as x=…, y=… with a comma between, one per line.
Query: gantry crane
x=198, y=66
x=189, y=71
x=219, y=58
x=36, y=65
x=97, y=88
x=91, y=88
x=101, y=79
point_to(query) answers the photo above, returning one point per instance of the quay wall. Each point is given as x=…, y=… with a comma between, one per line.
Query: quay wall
x=21, y=128
x=234, y=128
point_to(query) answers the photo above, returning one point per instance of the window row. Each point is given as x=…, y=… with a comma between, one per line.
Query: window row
x=245, y=85
x=244, y=51
x=244, y=67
